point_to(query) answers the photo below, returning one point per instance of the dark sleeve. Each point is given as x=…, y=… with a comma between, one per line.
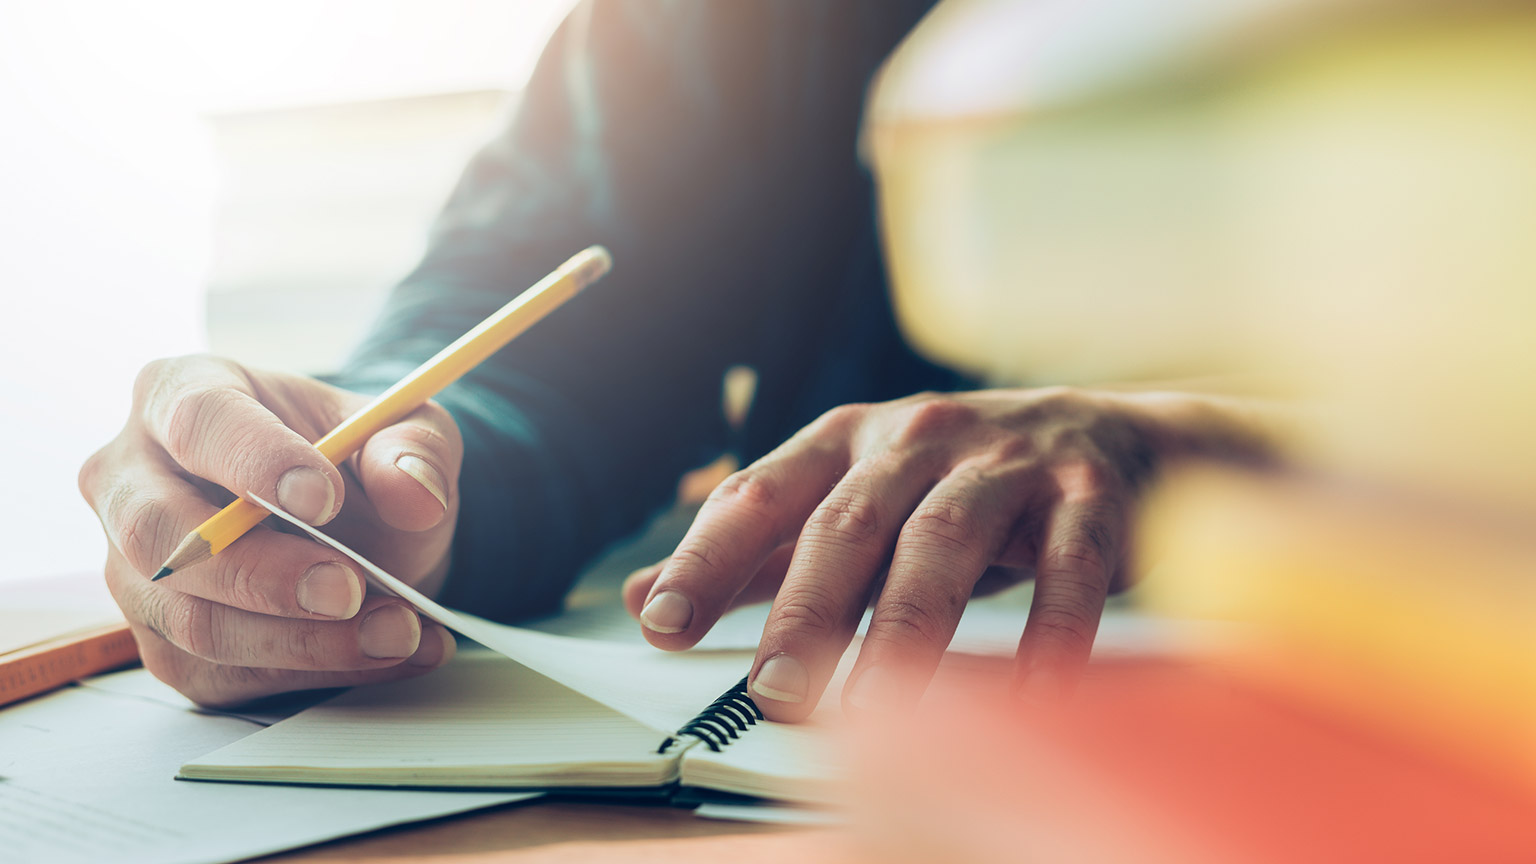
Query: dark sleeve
x=688, y=139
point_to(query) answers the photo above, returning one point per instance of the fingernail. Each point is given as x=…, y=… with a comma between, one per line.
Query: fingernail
x=422, y=472
x=782, y=678
x=306, y=493
x=389, y=633
x=668, y=612
x=875, y=689
x=437, y=647
x=331, y=590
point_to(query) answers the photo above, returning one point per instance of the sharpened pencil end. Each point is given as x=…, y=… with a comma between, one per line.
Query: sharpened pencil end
x=164, y=572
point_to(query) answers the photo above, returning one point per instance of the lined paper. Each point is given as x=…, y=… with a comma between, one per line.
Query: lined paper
x=86, y=776
x=478, y=721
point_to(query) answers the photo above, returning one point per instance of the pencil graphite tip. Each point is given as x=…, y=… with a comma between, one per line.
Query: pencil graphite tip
x=164, y=572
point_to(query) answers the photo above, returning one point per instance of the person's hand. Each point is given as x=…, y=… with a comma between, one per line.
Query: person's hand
x=916, y=504
x=275, y=611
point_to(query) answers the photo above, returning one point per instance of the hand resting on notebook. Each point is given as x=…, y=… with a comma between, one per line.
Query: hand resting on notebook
x=914, y=505
x=275, y=612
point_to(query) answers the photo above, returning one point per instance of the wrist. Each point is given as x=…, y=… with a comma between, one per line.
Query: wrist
x=1179, y=425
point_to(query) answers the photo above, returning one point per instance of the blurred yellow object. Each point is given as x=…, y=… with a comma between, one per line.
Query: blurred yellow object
x=1052, y=184
x=1393, y=196
x=1337, y=198
x=1418, y=619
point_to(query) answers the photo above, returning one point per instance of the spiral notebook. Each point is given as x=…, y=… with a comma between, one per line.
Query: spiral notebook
x=542, y=712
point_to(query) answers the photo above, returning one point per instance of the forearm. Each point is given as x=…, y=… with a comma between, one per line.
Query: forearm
x=640, y=131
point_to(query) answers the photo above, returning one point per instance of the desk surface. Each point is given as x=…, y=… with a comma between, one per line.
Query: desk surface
x=569, y=831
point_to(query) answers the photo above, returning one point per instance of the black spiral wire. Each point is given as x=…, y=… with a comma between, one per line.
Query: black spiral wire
x=722, y=722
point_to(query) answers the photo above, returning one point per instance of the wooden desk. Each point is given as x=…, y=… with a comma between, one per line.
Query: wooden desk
x=568, y=831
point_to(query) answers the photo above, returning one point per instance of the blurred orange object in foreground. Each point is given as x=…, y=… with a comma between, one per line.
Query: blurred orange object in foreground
x=1157, y=762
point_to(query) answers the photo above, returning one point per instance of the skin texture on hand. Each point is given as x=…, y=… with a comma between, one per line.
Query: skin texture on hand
x=915, y=505
x=274, y=612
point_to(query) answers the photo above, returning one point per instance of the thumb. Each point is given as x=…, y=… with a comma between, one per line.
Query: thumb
x=206, y=415
x=411, y=469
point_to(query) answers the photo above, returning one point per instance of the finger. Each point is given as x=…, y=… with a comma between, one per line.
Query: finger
x=945, y=548
x=411, y=469
x=1078, y=557
x=146, y=512
x=637, y=587
x=743, y=521
x=219, y=686
x=763, y=587
x=384, y=632
x=205, y=414
x=842, y=551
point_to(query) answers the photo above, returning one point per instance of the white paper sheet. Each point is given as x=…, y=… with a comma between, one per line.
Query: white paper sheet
x=661, y=690
x=86, y=775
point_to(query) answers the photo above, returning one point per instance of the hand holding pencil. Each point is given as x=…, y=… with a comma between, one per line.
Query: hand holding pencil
x=272, y=612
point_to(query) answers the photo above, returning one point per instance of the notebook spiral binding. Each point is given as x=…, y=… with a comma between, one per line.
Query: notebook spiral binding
x=722, y=722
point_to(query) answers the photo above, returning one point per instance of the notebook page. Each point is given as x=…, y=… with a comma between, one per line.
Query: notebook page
x=788, y=761
x=479, y=720
x=662, y=690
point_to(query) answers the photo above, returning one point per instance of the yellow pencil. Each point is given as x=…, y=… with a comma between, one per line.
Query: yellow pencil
x=451, y=363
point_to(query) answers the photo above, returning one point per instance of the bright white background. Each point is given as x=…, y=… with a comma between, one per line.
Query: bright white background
x=108, y=183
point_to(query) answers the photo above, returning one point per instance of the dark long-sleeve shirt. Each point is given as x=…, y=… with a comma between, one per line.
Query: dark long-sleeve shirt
x=711, y=147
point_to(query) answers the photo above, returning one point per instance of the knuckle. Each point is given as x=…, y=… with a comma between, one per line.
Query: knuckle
x=194, y=416
x=243, y=586
x=183, y=621
x=1075, y=557
x=200, y=629
x=1087, y=476
x=150, y=376
x=838, y=422
x=910, y=622
x=1060, y=405
x=700, y=553
x=90, y=474
x=1066, y=624
x=944, y=522
x=848, y=515
x=1058, y=395
x=137, y=525
x=211, y=634
x=1012, y=449
x=307, y=649
x=935, y=418
x=747, y=488
x=1100, y=528
x=806, y=608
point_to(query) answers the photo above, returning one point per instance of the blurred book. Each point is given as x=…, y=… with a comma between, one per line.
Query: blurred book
x=1169, y=763
x=57, y=630
x=1409, y=615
